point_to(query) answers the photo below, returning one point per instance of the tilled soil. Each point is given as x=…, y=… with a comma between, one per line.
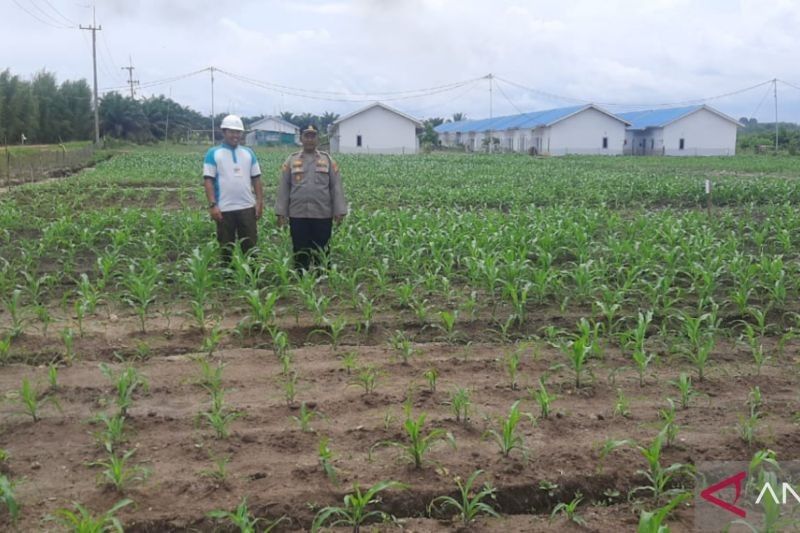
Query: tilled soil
x=275, y=465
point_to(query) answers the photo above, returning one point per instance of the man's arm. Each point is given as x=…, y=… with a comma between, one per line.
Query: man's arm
x=337, y=193
x=259, y=189
x=208, y=184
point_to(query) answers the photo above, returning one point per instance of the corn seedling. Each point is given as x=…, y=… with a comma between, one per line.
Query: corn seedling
x=141, y=287
x=402, y=345
x=447, y=323
x=367, y=308
x=68, y=337
x=15, y=311
x=210, y=375
x=419, y=444
x=112, y=434
x=218, y=416
x=570, y=510
x=118, y=473
x=8, y=497
x=471, y=504
x=543, y=398
x=44, y=316
x=289, y=386
x=212, y=340
x=280, y=342
x=81, y=519
x=241, y=519
x=431, y=376
x=5, y=349
x=52, y=376
x=31, y=401
x=670, y=427
x=511, y=364
x=622, y=405
x=366, y=378
x=684, y=385
x=755, y=401
x=219, y=471
x=655, y=521
x=459, y=404
x=659, y=478
x=326, y=460
x=577, y=353
x=747, y=427
x=507, y=438
x=262, y=309
x=334, y=331
x=756, y=345
x=354, y=511
x=349, y=361
x=125, y=384
x=304, y=418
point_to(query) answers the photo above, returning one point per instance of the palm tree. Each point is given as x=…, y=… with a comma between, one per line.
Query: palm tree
x=458, y=117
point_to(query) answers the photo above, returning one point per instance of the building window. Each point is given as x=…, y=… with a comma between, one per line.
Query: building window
x=652, y=143
x=605, y=142
x=680, y=144
x=358, y=140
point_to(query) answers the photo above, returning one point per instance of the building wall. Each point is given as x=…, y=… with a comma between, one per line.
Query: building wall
x=381, y=131
x=703, y=132
x=583, y=134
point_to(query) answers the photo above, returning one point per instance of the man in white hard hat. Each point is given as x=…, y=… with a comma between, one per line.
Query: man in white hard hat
x=232, y=180
x=310, y=198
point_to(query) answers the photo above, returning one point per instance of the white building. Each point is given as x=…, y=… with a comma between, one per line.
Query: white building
x=570, y=130
x=375, y=129
x=272, y=131
x=694, y=130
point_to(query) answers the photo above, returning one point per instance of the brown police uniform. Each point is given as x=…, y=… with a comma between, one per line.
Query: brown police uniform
x=310, y=194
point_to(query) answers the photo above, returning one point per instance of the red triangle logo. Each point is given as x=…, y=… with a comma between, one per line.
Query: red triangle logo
x=737, y=479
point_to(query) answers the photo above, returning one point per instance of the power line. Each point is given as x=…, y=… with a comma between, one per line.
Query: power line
x=58, y=27
x=789, y=84
x=60, y=14
x=48, y=15
x=499, y=88
x=753, y=114
x=155, y=83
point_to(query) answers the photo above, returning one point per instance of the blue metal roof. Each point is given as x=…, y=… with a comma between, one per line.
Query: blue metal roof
x=523, y=120
x=656, y=118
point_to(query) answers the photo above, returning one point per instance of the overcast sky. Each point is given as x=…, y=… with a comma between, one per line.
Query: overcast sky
x=544, y=54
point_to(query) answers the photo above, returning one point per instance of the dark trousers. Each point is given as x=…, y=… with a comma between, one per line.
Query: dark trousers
x=310, y=238
x=239, y=225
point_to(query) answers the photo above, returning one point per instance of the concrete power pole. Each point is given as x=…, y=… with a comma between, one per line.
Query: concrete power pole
x=94, y=28
x=775, y=92
x=213, y=140
x=131, y=81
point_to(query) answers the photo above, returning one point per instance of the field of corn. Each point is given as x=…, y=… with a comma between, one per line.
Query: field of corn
x=499, y=343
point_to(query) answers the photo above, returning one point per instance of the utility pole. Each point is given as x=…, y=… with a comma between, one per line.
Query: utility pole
x=491, y=82
x=131, y=81
x=94, y=29
x=775, y=92
x=213, y=140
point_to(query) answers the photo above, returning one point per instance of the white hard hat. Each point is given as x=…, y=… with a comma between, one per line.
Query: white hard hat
x=232, y=122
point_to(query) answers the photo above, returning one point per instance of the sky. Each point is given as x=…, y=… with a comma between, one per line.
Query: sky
x=427, y=58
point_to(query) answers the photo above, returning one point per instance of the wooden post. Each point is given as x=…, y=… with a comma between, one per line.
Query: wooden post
x=708, y=198
x=8, y=163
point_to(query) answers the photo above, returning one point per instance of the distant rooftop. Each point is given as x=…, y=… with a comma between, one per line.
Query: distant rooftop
x=523, y=120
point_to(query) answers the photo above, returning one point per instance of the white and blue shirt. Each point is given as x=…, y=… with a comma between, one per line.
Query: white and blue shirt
x=232, y=170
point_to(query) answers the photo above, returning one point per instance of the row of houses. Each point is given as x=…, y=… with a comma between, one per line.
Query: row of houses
x=587, y=129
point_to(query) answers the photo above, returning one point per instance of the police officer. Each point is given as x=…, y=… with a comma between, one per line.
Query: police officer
x=232, y=181
x=311, y=198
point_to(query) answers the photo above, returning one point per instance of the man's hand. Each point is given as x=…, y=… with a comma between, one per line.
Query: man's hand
x=259, y=211
x=281, y=221
x=337, y=219
x=215, y=213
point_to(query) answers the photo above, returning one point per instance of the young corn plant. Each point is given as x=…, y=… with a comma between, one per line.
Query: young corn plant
x=32, y=402
x=570, y=510
x=577, y=353
x=82, y=520
x=447, y=323
x=112, y=432
x=637, y=337
x=511, y=364
x=684, y=386
x=326, y=460
x=5, y=349
x=219, y=472
x=471, y=503
x=543, y=398
x=68, y=337
x=334, y=329
x=747, y=427
x=507, y=438
x=756, y=345
x=242, y=519
x=289, y=385
x=419, y=443
x=8, y=497
x=754, y=401
x=367, y=378
x=218, y=416
x=118, y=473
x=622, y=405
x=659, y=478
x=670, y=426
x=305, y=417
x=140, y=288
x=212, y=340
x=402, y=345
x=354, y=512
x=349, y=361
x=655, y=521
x=431, y=377
x=460, y=403
x=125, y=384
x=210, y=375
x=262, y=308
x=16, y=312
